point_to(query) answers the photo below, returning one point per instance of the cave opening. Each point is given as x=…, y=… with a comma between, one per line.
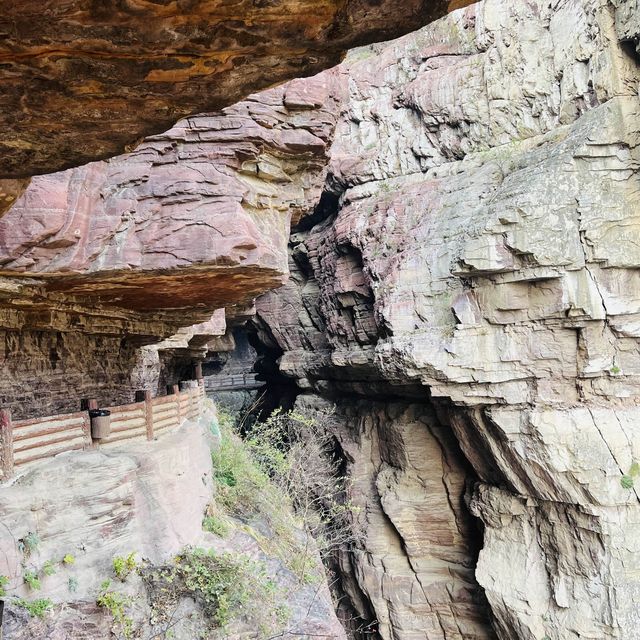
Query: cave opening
x=244, y=378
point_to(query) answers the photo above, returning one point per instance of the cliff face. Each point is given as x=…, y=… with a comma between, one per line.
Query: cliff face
x=214, y=194
x=99, y=260
x=464, y=294
x=480, y=258
x=84, y=79
x=412, y=573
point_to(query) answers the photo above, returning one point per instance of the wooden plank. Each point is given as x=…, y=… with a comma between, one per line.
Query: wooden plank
x=41, y=455
x=128, y=426
x=144, y=395
x=159, y=412
x=130, y=434
x=20, y=424
x=34, y=443
x=163, y=424
x=86, y=432
x=136, y=406
x=129, y=415
x=6, y=444
x=45, y=429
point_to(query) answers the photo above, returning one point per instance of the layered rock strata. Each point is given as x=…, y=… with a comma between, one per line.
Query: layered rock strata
x=83, y=80
x=99, y=260
x=411, y=574
x=469, y=269
x=191, y=211
x=480, y=254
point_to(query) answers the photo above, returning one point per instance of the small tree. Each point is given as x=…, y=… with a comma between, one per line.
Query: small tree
x=297, y=451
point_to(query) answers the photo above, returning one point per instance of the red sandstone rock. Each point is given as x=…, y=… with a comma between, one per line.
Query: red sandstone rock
x=82, y=79
x=197, y=217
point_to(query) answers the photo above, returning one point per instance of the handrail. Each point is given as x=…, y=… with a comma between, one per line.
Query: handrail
x=25, y=441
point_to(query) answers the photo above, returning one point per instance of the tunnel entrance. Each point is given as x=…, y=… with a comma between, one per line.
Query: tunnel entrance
x=241, y=375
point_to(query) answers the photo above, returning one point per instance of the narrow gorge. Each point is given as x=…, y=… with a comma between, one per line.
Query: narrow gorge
x=432, y=246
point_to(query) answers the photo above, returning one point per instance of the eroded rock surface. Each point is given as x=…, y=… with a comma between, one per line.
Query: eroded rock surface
x=482, y=247
x=474, y=256
x=148, y=499
x=195, y=217
x=83, y=79
x=99, y=260
x=412, y=574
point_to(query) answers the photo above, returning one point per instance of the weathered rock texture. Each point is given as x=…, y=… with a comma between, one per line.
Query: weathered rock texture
x=481, y=245
x=83, y=79
x=198, y=216
x=473, y=256
x=47, y=373
x=101, y=259
x=149, y=499
x=412, y=575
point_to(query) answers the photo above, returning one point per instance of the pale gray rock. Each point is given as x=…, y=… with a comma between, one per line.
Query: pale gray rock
x=484, y=248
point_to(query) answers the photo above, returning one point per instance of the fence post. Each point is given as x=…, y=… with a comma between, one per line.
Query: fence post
x=86, y=433
x=87, y=404
x=6, y=443
x=176, y=392
x=145, y=396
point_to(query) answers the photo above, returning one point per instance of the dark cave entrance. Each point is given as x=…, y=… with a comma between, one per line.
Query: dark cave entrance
x=244, y=378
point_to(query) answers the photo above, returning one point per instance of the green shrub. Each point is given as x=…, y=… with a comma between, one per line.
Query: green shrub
x=242, y=487
x=626, y=482
x=37, y=608
x=4, y=581
x=226, y=586
x=117, y=604
x=296, y=451
x=29, y=543
x=122, y=566
x=68, y=559
x=72, y=584
x=304, y=565
x=48, y=568
x=31, y=578
x=286, y=464
x=215, y=525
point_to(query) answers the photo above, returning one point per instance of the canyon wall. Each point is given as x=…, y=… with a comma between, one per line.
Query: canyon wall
x=411, y=574
x=97, y=261
x=480, y=259
x=463, y=295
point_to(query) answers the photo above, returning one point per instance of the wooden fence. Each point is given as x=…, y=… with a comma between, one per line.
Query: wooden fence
x=26, y=441
x=232, y=382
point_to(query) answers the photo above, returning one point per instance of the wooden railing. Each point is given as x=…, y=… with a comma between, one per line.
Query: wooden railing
x=25, y=441
x=233, y=382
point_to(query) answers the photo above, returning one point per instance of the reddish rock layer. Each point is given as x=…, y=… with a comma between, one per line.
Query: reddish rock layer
x=83, y=79
x=195, y=219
